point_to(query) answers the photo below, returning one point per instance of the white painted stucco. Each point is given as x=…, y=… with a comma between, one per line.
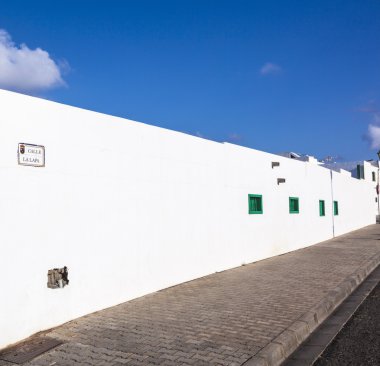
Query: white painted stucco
x=131, y=208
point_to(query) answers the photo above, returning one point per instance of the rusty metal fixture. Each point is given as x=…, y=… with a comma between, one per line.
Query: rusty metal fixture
x=58, y=277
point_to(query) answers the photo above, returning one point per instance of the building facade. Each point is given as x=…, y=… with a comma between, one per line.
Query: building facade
x=131, y=208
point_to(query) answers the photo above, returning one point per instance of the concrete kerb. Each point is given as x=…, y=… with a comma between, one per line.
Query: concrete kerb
x=287, y=342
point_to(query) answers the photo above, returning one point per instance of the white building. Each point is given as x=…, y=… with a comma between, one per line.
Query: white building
x=131, y=208
x=367, y=169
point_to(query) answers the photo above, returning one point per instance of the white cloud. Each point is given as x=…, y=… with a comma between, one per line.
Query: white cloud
x=26, y=70
x=270, y=68
x=374, y=132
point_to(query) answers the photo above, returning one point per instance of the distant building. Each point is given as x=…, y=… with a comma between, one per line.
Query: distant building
x=300, y=157
x=358, y=169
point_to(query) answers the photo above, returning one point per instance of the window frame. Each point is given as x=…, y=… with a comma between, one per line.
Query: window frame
x=291, y=210
x=251, y=211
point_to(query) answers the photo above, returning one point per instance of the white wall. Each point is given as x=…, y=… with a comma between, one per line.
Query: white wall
x=131, y=208
x=372, y=171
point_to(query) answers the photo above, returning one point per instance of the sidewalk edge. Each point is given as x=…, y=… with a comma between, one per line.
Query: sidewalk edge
x=281, y=347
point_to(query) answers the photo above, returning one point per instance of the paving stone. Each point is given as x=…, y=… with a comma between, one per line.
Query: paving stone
x=222, y=319
x=6, y=363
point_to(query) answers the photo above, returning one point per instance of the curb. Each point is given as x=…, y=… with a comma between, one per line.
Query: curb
x=281, y=347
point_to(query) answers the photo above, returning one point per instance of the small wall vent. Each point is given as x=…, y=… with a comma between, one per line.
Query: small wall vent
x=281, y=180
x=275, y=163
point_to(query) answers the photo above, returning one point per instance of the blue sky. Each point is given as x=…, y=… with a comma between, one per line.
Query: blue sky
x=277, y=76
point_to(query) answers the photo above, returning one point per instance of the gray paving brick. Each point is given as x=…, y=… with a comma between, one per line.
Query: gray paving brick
x=221, y=319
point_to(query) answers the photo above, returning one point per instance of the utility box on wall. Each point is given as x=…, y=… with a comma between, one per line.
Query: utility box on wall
x=58, y=277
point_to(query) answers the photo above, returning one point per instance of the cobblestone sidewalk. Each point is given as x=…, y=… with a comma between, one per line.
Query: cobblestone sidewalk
x=221, y=319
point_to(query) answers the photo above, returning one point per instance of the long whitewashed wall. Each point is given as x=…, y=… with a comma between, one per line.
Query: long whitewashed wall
x=131, y=208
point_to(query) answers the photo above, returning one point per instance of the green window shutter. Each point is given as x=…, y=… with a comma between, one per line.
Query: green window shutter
x=321, y=208
x=294, y=205
x=336, y=208
x=255, y=204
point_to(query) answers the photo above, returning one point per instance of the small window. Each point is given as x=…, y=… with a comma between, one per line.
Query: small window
x=321, y=208
x=360, y=171
x=255, y=204
x=373, y=177
x=294, y=205
x=336, y=208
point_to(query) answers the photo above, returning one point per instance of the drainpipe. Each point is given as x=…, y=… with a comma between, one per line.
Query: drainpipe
x=332, y=203
x=378, y=186
x=377, y=191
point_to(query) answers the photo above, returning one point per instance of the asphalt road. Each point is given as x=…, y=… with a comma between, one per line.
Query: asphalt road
x=358, y=343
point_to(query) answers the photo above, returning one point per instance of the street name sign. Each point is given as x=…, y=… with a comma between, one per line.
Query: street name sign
x=31, y=155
